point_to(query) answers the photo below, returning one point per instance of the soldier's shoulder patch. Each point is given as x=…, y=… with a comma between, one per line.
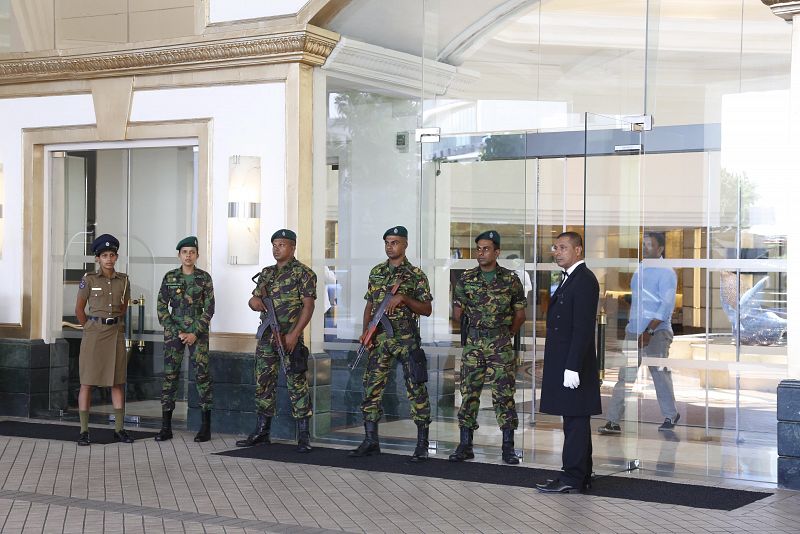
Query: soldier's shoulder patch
x=83, y=283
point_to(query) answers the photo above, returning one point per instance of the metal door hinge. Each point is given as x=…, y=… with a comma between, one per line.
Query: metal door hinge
x=639, y=123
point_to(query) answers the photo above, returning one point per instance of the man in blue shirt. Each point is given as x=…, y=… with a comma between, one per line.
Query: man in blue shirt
x=649, y=325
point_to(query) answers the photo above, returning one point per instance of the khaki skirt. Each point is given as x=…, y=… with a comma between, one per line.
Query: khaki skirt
x=103, y=360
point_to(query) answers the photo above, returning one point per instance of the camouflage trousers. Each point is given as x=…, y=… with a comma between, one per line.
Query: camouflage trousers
x=174, y=350
x=381, y=361
x=489, y=360
x=268, y=367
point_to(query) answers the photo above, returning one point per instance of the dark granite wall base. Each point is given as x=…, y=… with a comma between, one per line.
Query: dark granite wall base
x=26, y=377
x=233, y=376
x=789, y=434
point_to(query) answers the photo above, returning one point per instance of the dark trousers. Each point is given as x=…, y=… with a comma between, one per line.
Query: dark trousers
x=576, y=457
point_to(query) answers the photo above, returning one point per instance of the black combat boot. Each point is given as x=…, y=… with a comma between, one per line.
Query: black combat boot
x=204, y=434
x=166, y=426
x=464, y=449
x=509, y=455
x=421, y=450
x=303, y=436
x=370, y=445
x=260, y=434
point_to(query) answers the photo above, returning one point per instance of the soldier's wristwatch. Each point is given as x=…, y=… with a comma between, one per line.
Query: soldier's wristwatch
x=650, y=331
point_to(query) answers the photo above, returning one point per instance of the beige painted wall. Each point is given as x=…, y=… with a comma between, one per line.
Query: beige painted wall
x=65, y=24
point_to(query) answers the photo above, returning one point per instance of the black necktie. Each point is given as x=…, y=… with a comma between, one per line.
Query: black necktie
x=564, y=275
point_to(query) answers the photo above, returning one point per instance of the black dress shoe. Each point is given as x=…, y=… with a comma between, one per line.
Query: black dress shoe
x=556, y=486
x=83, y=439
x=123, y=436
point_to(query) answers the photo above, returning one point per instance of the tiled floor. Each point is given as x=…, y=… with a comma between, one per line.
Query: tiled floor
x=179, y=486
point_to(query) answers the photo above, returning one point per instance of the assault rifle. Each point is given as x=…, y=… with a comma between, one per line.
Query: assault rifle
x=379, y=317
x=270, y=320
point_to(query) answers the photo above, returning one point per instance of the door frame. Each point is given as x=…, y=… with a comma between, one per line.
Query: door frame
x=202, y=195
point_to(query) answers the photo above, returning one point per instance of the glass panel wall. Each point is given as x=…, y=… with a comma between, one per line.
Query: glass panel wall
x=716, y=201
x=508, y=90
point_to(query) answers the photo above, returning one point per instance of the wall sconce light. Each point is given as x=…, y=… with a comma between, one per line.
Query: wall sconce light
x=244, y=209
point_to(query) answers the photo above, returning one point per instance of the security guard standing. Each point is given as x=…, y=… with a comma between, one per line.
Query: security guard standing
x=412, y=298
x=292, y=287
x=100, y=308
x=189, y=292
x=493, y=299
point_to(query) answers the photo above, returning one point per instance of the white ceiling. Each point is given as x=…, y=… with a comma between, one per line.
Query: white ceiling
x=549, y=50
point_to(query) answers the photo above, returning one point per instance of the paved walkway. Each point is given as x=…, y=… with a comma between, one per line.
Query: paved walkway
x=179, y=486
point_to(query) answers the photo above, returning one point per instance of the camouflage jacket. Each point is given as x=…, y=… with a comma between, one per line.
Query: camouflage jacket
x=413, y=282
x=489, y=304
x=191, y=299
x=287, y=286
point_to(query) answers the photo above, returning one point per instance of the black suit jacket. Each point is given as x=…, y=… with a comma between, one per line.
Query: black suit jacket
x=570, y=344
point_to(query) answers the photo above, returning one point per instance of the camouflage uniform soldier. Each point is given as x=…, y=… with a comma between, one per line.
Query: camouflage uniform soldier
x=493, y=300
x=411, y=299
x=189, y=292
x=292, y=287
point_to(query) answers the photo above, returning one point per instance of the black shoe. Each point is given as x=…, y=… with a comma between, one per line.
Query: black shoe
x=421, y=450
x=669, y=424
x=587, y=482
x=166, y=426
x=556, y=486
x=123, y=436
x=509, y=454
x=83, y=439
x=371, y=445
x=609, y=429
x=464, y=449
x=303, y=436
x=204, y=434
x=260, y=434
x=164, y=435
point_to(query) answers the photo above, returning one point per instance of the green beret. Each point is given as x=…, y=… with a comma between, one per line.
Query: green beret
x=284, y=234
x=190, y=241
x=399, y=231
x=491, y=235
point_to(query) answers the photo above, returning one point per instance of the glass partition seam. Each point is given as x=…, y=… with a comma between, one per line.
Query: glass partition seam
x=535, y=283
x=708, y=300
x=647, y=49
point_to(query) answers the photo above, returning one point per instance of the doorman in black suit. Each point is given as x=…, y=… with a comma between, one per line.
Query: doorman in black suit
x=571, y=385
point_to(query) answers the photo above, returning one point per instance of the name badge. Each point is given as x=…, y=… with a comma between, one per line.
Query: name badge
x=97, y=289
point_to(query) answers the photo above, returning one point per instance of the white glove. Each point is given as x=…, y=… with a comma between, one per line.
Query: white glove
x=571, y=379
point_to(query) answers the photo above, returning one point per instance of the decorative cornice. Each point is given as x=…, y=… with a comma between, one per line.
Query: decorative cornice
x=783, y=9
x=397, y=71
x=303, y=46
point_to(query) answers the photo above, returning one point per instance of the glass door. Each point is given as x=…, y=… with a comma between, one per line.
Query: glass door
x=470, y=184
x=160, y=181
x=144, y=197
x=612, y=168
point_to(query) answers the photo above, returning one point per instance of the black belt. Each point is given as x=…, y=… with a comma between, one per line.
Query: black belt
x=487, y=332
x=107, y=320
